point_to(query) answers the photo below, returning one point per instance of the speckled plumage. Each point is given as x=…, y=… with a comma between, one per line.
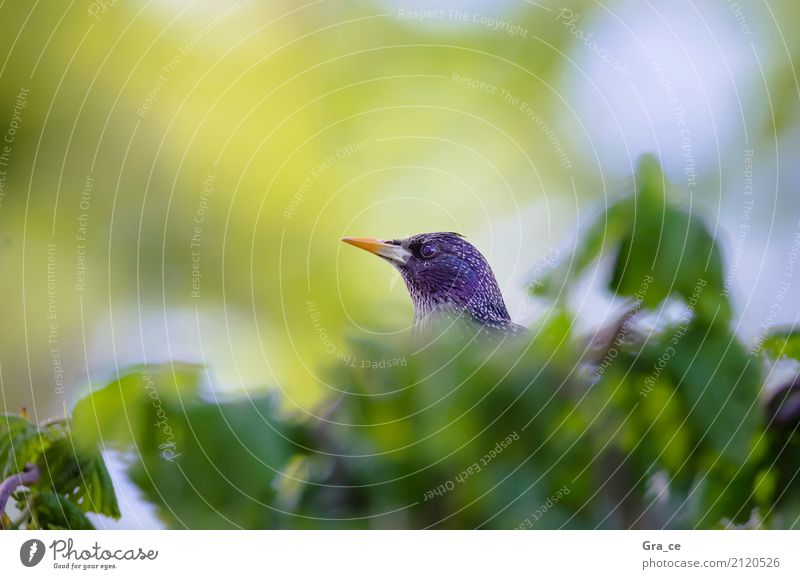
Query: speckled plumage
x=456, y=279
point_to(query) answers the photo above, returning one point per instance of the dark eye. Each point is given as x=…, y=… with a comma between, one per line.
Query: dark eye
x=428, y=250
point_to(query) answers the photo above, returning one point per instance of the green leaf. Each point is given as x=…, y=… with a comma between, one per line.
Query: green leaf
x=659, y=250
x=81, y=476
x=53, y=511
x=19, y=444
x=203, y=464
x=221, y=467
x=783, y=343
x=667, y=251
x=602, y=233
x=720, y=385
x=650, y=182
x=125, y=410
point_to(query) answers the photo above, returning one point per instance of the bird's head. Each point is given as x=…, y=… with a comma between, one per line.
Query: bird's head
x=443, y=272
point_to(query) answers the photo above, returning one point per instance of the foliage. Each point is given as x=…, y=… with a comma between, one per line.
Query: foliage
x=73, y=481
x=206, y=464
x=655, y=425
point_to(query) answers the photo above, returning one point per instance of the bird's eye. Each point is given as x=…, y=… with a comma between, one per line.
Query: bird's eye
x=428, y=250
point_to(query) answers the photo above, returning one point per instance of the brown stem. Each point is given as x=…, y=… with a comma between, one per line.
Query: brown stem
x=601, y=343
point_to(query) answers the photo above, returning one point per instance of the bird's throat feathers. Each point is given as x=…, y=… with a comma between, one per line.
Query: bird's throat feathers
x=476, y=296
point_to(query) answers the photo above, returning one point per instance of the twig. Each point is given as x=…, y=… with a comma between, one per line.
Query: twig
x=53, y=420
x=29, y=475
x=601, y=343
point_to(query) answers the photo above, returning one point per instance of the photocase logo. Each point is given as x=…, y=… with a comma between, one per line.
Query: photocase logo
x=31, y=553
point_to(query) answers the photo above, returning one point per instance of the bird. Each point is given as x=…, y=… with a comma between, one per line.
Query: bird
x=445, y=276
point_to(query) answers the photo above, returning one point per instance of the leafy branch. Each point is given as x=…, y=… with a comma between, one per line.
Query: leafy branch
x=653, y=425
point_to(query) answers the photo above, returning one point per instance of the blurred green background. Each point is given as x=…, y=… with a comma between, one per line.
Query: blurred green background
x=177, y=174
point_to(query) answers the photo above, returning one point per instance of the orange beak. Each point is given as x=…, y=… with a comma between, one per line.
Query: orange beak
x=390, y=251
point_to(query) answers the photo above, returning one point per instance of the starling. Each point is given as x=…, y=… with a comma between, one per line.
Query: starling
x=445, y=276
